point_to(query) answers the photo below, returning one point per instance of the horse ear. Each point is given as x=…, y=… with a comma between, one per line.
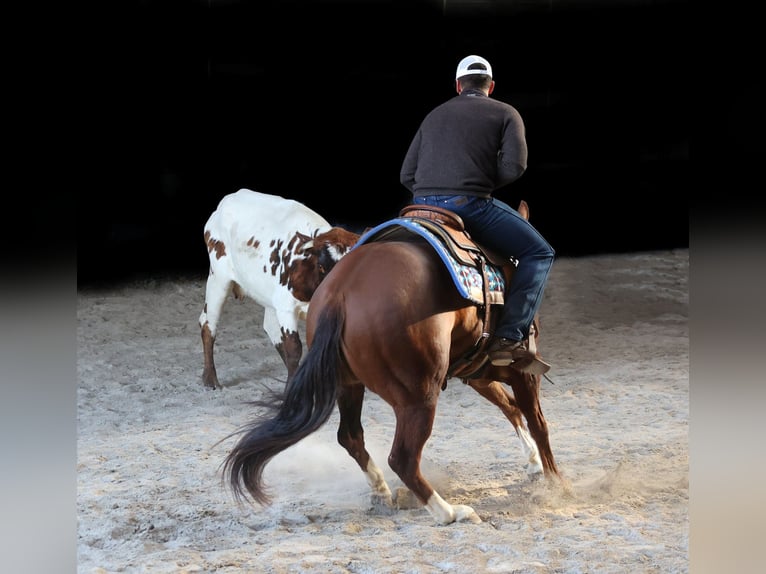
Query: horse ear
x=523, y=209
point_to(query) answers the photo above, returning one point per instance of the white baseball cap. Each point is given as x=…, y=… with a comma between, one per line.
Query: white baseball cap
x=473, y=65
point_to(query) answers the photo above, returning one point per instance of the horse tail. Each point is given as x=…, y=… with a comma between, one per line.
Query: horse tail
x=302, y=408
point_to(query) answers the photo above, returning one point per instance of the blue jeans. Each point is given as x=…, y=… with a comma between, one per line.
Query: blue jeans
x=500, y=228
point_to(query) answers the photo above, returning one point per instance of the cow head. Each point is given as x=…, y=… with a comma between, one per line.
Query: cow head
x=319, y=256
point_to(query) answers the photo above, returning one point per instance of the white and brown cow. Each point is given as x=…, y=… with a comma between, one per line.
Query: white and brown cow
x=274, y=251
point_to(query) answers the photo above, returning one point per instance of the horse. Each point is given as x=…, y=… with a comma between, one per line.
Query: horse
x=275, y=251
x=389, y=319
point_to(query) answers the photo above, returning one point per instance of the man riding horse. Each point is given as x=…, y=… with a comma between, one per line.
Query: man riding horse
x=463, y=151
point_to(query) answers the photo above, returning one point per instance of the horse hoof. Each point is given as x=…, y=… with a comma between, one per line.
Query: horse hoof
x=382, y=505
x=466, y=514
x=535, y=476
x=405, y=500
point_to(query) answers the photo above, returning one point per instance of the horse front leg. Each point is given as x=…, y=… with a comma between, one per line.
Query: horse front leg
x=351, y=437
x=413, y=427
x=526, y=390
x=496, y=393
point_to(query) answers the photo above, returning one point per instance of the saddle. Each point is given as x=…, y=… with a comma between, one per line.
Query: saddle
x=441, y=226
x=448, y=226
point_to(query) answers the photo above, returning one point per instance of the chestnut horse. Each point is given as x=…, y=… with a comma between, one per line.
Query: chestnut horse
x=388, y=318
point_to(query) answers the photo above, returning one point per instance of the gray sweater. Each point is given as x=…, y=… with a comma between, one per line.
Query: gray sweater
x=469, y=145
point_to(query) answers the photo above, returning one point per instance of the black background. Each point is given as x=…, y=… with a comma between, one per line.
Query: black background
x=318, y=101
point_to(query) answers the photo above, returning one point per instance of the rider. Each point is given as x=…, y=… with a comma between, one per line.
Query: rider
x=465, y=149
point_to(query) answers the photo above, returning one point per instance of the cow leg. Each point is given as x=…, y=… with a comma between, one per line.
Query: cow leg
x=282, y=329
x=499, y=396
x=351, y=437
x=216, y=292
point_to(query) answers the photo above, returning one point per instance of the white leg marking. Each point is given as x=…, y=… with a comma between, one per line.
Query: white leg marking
x=532, y=342
x=529, y=448
x=377, y=482
x=444, y=513
x=380, y=498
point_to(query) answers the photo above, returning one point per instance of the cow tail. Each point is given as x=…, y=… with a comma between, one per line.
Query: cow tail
x=306, y=404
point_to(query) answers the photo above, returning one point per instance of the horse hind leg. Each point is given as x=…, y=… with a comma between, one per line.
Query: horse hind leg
x=413, y=427
x=499, y=396
x=351, y=437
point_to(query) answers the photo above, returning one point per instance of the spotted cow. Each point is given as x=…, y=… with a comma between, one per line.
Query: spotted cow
x=274, y=251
